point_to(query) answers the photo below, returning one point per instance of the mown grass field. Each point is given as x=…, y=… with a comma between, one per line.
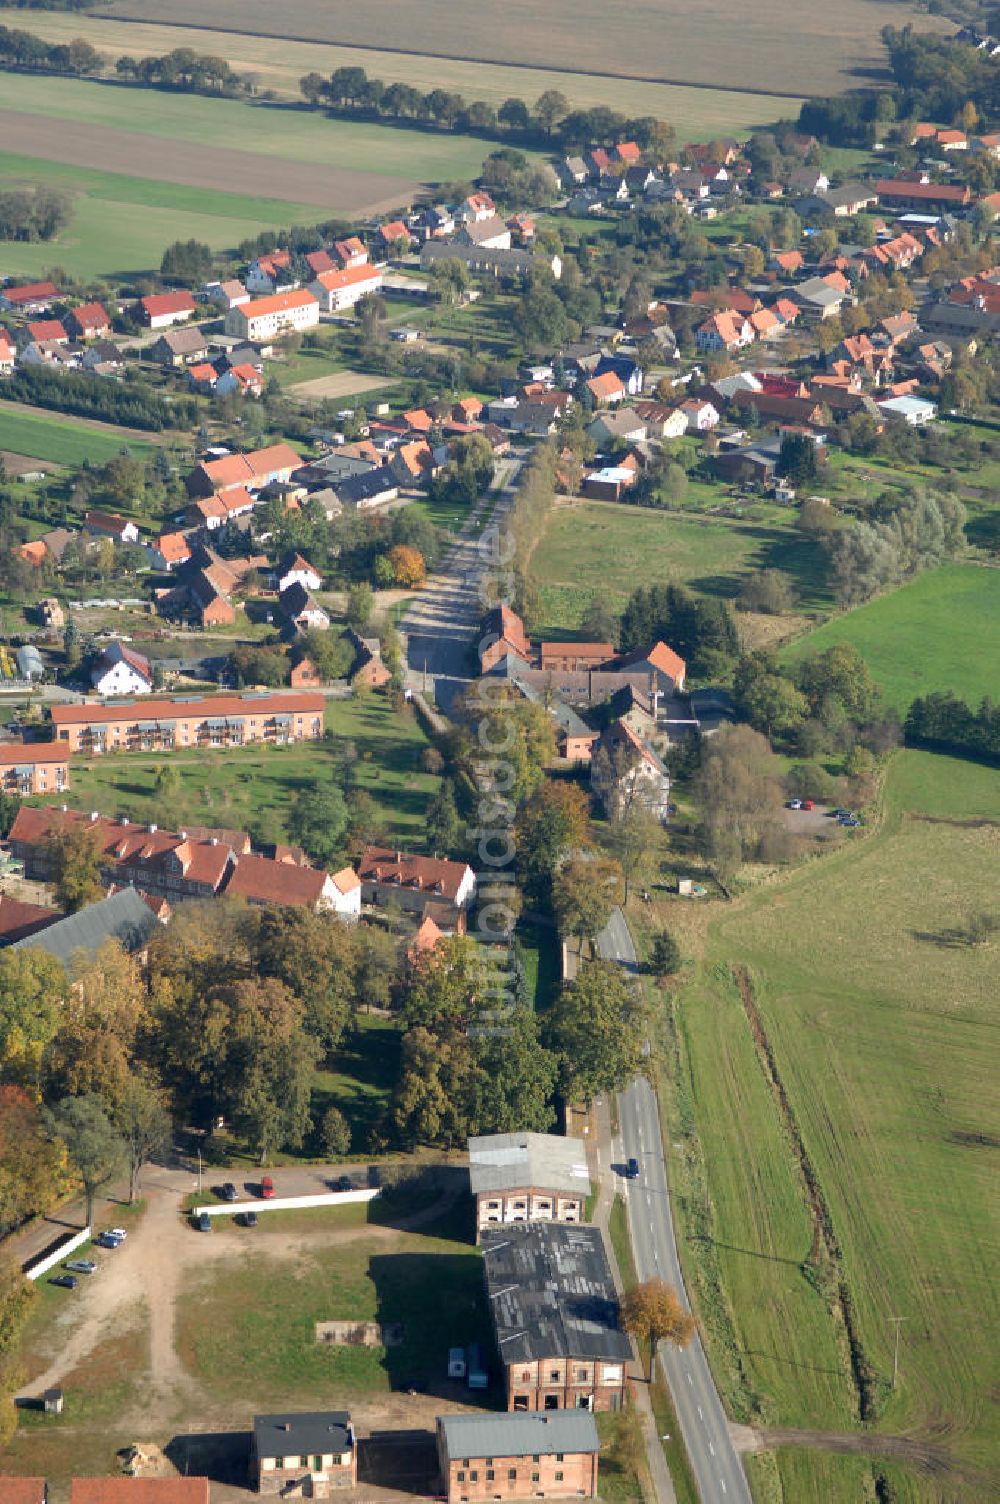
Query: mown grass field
x=600, y=548
x=122, y=224
x=276, y=131
x=650, y=39
x=279, y=63
x=63, y=441
x=882, y=1032
x=940, y=632
x=253, y=787
x=246, y=1330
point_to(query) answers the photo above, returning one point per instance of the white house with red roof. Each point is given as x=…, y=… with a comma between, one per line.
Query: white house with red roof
x=28, y=297
x=343, y=288
x=121, y=671
x=411, y=882
x=666, y=667
x=349, y=252
x=624, y=768
x=89, y=321
x=724, y=331
x=161, y=309
x=8, y=353
x=269, y=318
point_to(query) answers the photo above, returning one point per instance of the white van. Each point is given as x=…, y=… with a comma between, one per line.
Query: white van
x=456, y=1362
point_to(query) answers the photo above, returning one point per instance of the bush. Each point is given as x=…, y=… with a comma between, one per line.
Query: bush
x=808, y=780
x=665, y=958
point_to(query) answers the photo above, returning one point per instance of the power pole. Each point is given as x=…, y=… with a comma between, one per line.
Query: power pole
x=895, y=1356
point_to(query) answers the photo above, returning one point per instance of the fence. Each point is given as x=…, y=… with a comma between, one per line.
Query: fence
x=284, y=1203
x=49, y=1260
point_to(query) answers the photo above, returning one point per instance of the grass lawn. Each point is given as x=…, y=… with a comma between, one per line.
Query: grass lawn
x=600, y=548
x=941, y=631
x=247, y=1330
x=622, y=1457
x=880, y=1032
x=123, y=224
x=366, y=1073
x=62, y=441
x=243, y=788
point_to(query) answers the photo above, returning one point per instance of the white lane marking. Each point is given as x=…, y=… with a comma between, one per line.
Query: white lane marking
x=687, y=1375
x=722, y=1485
x=711, y=1449
x=701, y=1415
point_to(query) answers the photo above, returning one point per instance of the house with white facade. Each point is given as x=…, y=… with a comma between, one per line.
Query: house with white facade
x=270, y=318
x=121, y=671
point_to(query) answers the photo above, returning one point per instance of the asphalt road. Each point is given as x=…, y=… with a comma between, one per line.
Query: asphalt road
x=440, y=626
x=714, y=1462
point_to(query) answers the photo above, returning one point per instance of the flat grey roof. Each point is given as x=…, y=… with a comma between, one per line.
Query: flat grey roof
x=302, y=1431
x=522, y=1435
x=551, y=1293
x=513, y=1161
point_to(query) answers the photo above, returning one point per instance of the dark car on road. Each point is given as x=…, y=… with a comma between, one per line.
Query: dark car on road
x=632, y=1169
x=345, y=1183
x=227, y=1192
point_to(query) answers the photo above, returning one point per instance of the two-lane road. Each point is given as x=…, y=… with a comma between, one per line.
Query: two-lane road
x=702, y=1420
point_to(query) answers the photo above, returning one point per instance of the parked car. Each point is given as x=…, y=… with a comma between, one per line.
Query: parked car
x=247, y=1219
x=794, y=804
x=809, y=804
x=477, y=1374
x=632, y=1169
x=266, y=1187
x=80, y=1266
x=345, y=1183
x=118, y=1233
x=456, y=1362
x=65, y=1281
x=203, y=1222
x=849, y=821
x=835, y=814
x=107, y=1240
x=227, y=1192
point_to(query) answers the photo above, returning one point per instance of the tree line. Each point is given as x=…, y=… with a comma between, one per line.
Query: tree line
x=130, y=403
x=550, y=118
x=183, y=69
x=944, y=722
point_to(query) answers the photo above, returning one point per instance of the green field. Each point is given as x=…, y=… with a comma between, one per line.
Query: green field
x=62, y=441
x=941, y=631
x=601, y=548
x=880, y=1026
x=247, y=1330
x=275, y=131
x=253, y=786
x=123, y=224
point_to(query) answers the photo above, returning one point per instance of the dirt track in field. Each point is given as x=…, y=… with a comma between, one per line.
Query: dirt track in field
x=340, y=190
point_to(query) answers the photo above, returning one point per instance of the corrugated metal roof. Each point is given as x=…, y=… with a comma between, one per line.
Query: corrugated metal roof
x=512, y=1161
x=551, y=1293
x=531, y=1435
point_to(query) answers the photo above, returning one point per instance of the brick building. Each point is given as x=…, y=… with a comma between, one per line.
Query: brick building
x=33, y=768
x=555, y=1313
x=528, y=1177
x=411, y=882
x=517, y=1456
x=161, y=725
x=306, y=1455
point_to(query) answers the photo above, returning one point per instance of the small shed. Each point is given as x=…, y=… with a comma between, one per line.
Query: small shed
x=29, y=662
x=52, y=1401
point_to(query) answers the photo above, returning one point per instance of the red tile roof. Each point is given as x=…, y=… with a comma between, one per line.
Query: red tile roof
x=17, y=920
x=433, y=875
x=174, y=547
x=266, y=881
x=245, y=469
x=192, y=708
x=606, y=385
x=159, y=303
x=31, y=292
x=347, y=276
x=48, y=330
x=90, y=316
x=319, y=261
x=279, y=302
x=139, y=1491
x=21, y=1490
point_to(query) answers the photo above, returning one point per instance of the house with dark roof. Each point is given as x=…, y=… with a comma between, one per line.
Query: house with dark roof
x=303, y=1454
x=302, y=610
x=554, y=1307
x=551, y=1456
x=122, y=917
